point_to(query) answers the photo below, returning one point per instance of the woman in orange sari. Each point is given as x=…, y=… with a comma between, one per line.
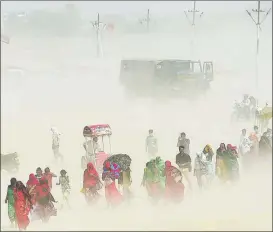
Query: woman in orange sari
x=174, y=189
x=112, y=195
x=22, y=205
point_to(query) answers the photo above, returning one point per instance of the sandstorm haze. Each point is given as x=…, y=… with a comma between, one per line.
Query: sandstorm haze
x=51, y=77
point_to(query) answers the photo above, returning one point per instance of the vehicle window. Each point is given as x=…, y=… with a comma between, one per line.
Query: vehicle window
x=208, y=68
x=196, y=67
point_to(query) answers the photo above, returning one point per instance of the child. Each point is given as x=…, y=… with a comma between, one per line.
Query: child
x=49, y=175
x=65, y=185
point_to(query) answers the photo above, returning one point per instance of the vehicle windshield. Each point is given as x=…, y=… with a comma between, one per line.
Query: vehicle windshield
x=196, y=67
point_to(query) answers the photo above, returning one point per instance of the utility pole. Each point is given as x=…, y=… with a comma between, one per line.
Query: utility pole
x=99, y=26
x=258, y=24
x=146, y=20
x=192, y=22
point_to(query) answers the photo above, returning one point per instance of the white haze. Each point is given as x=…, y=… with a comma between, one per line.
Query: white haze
x=64, y=85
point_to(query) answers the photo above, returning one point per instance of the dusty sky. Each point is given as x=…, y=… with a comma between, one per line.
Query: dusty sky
x=123, y=7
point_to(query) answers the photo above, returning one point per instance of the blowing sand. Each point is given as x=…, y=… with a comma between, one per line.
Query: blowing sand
x=66, y=87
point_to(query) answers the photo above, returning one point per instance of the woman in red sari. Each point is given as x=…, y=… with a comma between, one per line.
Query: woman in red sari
x=44, y=207
x=112, y=195
x=91, y=183
x=174, y=187
x=22, y=205
x=31, y=187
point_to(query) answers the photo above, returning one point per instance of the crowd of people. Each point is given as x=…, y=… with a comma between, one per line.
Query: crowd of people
x=33, y=198
x=161, y=179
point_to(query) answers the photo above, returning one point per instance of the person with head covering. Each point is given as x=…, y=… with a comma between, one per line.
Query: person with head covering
x=65, y=186
x=151, y=180
x=44, y=202
x=183, y=160
x=10, y=201
x=56, y=143
x=245, y=143
x=91, y=183
x=151, y=145
x=221, y=170
x=160, y=165
x=208, y=152
x=31, y=187
x=112, y=195
x=174, y=190
x=125, y=181
x=49, y=175
x=200, y=169
x=232, y=163
x=265, y=148
x=23, y=205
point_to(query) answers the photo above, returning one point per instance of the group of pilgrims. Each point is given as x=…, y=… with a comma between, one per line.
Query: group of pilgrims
x=162, y=180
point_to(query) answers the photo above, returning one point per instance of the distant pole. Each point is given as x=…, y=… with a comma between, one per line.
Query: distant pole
x=192, y=22
x=146, y=20
x=258, y=24
x=99, y=26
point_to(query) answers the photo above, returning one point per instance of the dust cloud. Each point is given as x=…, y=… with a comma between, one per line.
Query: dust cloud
x=62, y=84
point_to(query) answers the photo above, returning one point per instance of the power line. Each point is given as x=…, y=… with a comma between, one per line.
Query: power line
x=146, y=20
x=99, y=26
x=192, y=22
x=258, y=24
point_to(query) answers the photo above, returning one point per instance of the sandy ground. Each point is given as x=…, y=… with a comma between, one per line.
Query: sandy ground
x=64, y=86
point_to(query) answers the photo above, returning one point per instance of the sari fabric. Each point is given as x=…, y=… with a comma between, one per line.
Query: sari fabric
x=112, y=195
x=22, y=209
x=174, y=187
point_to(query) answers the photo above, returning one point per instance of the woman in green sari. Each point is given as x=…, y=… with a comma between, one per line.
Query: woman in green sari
x=160, y=165
x=10, y=201
x=151, y=180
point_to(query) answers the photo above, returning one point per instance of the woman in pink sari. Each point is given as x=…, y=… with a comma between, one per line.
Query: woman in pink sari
x=174, y=189
x=22, y=205
x=112, y=195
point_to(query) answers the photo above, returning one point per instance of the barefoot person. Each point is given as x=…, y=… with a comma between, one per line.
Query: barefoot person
x=65, y=186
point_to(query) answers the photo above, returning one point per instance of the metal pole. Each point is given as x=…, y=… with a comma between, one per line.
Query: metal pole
x=97, y=33
x=257, y=47
x=193, y=24
x=258, y=28
x=148, y=20
x=193, y=29
x=98, y=25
